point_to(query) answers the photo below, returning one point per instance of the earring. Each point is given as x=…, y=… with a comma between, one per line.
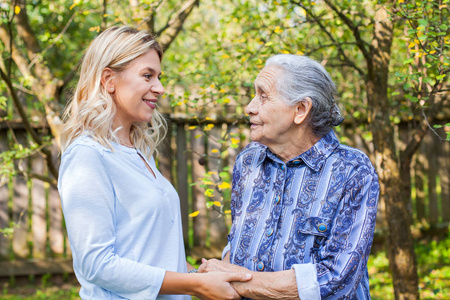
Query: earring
x=111, y=89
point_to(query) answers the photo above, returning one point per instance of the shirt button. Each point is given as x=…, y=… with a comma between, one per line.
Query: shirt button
x=322, y=227
x=269, y=232
x=282, y=167
x=260, y=266
x=277, y=199
x=296, y=162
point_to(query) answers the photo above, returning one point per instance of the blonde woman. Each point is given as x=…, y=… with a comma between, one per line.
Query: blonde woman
x=122, y=216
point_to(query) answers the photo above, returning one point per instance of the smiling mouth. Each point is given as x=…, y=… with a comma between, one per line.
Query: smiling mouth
x=150, y=102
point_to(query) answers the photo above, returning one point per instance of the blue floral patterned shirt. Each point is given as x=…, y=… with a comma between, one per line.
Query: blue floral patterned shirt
x=315, y=214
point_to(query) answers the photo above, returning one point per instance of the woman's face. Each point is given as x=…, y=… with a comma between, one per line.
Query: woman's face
x=136, y=89
x=271, y=119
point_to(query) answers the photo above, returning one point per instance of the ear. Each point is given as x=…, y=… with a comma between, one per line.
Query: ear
x=107, y=80
x=302, y=110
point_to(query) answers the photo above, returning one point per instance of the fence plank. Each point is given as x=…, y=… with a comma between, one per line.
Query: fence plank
x=38, y=205
x=419, y=182
x=4, y=198
x=20, y=217
x=56, y=236
x=218, y=229
x=165, y=154
x=432, y=174
x=198, y=196
x=182, y=178
x=444, y=174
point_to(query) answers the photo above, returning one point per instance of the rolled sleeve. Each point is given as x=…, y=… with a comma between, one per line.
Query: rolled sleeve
x=307, y=284
x=343, y=259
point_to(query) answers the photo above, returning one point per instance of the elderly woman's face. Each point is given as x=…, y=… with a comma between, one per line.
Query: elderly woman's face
x=271, y=119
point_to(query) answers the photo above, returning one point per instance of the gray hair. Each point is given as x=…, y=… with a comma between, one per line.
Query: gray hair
x=304, y=77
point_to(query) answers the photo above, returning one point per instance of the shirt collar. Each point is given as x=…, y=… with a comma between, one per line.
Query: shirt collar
x=314, y=158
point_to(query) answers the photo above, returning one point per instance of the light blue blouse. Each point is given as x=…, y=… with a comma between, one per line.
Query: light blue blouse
x=124, y=225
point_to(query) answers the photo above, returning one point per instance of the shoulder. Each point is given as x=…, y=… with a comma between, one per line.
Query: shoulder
x=85, y=143
x=84, y=150
x=351, y=156
x=253, y=150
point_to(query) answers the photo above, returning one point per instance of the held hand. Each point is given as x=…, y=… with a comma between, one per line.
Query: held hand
x=216, y=285
x=214, y=265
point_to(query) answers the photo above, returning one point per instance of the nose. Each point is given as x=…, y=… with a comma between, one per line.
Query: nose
x=157, y=88
x=252, y=107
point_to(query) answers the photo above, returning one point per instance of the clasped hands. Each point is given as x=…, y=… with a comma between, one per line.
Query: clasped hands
x=215, y=265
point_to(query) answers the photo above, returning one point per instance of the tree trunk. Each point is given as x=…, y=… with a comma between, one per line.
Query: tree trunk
x=400, y=243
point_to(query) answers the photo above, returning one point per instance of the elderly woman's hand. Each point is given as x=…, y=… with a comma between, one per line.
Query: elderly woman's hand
x=215, y=265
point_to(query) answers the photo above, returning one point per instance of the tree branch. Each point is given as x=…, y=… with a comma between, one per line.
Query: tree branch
x=355, y=30
x=169, y=32
x=43, y=73
x=338, y=45
x=36, y=138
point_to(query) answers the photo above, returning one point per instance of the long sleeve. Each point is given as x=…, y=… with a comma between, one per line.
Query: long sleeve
x=341, y=262
x=88, y=201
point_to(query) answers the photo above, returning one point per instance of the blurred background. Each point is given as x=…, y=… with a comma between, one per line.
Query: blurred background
x=389, y=59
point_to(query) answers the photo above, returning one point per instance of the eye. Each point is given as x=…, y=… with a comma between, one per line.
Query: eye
x=148, y=76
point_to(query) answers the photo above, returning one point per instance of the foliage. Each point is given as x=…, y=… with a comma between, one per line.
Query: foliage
x=433, y=266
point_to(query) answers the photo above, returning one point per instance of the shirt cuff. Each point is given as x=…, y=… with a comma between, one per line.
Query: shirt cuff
x=307, y=284
x=225, y=250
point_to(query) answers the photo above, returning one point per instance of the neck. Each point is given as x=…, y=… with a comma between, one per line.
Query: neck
x=123, y=134
x=295, y=146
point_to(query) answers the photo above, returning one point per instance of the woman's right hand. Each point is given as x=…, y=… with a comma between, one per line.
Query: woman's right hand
x=216, y=285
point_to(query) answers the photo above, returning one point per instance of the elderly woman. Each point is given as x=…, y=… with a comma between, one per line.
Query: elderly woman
x=303, y=205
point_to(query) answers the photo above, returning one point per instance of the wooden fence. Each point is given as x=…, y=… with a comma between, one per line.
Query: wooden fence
x=32, y=207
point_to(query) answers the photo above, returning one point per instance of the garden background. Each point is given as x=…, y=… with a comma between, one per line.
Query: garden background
x=389, y=59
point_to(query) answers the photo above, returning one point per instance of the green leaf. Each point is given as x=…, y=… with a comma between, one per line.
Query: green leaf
x=408, y=61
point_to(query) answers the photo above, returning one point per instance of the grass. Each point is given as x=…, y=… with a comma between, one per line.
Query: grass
x=433, y=260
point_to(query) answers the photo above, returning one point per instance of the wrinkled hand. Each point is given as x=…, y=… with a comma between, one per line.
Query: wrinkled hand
x=215, y=265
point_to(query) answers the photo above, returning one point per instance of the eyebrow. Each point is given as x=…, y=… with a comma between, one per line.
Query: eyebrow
x=152, y=71
x=258, y=87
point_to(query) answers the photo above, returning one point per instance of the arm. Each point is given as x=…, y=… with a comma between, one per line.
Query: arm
x=87, y=197
x=214, y=285
x=341, y=261
x=89, y=208
x=280, y=285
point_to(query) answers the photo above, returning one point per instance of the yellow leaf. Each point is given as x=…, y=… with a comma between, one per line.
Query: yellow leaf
x=222, y=91
x=401, y=1
x=194, y=214
x=217, y=203
x=285, y=52
x=209, y=193
x=215, y=151
x=192, y=127
x=73, y=5
x=197, y=136
x=224, y=186
x=412, y=44
x=234, y=141
x=208, y=119
x=225, y=56
x=432, y=51
x=212, y=86
x=17, y=10
x=227, y=211
x=212, y=173
x=226, y=100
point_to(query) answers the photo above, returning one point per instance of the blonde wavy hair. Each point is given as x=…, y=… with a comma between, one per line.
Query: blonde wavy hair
x=92, y=108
